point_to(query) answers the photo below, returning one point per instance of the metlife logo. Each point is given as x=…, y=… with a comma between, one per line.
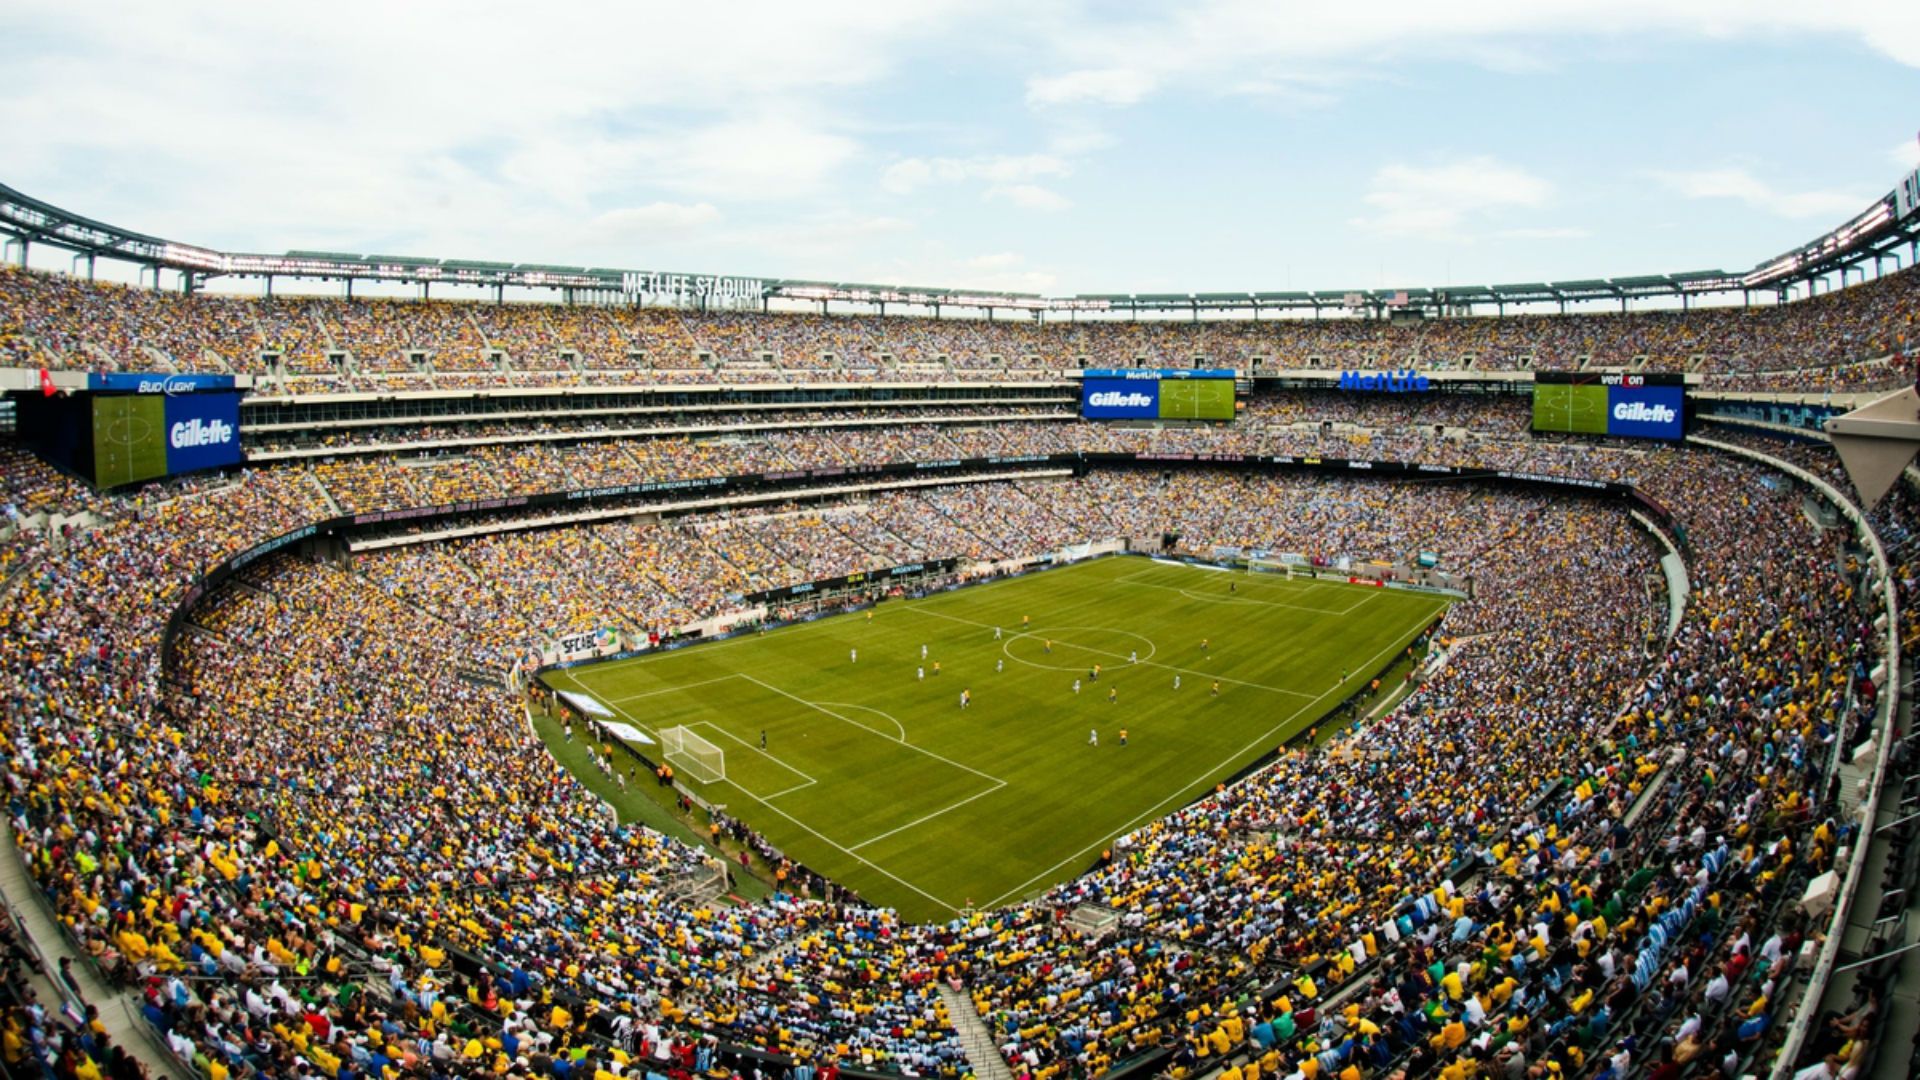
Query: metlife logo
x=1120, y=399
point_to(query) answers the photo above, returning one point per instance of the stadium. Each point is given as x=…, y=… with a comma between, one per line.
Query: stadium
x=424, y=666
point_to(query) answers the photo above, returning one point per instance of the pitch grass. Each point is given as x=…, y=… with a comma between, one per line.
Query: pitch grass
x=878, y=779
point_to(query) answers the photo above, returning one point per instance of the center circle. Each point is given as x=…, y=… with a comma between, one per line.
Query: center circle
x=1101, y=645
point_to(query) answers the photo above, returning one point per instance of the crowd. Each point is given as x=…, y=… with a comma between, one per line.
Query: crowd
x=324, y=841
x=1812, y=345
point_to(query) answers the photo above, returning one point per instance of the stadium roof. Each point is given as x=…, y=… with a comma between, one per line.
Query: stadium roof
x=1890, y=222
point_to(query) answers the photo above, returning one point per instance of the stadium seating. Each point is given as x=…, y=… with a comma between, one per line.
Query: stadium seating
x=324, y=834
x=1836, y=341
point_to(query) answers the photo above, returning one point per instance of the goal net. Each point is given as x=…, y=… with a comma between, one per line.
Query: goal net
x=1275, y=566
x=694, y=755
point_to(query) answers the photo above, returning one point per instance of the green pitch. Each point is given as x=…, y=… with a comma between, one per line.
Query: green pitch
x=1566, y=407
x=875, y=776
x=129, y=438
x=1196, y=399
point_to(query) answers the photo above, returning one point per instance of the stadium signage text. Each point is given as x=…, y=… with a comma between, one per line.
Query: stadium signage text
x=197, y=432
x=1115, y=399
x=1388, y=382
x=157, y=382
x=1906, y=197
x=695, y=286
x=1642, y=412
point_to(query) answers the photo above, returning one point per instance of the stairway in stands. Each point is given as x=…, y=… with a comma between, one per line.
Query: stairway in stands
x=983, y=1054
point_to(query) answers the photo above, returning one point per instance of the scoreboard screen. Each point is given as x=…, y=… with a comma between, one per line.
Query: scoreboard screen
x=1639, y=406
x=1174, y=394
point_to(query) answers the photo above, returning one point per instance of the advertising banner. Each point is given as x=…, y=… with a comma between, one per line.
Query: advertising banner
x=156, y=382
x=203, y=431
x=1120, y=399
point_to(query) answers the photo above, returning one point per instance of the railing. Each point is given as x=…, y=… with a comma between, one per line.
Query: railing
x=1824, y=965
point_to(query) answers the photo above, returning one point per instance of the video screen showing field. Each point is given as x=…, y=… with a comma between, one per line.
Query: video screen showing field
x=129, y=439
x=1579, y=409
x=1196, y=399
x=873, y=774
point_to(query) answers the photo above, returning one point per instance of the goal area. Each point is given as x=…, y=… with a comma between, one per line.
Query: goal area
x=694, y=755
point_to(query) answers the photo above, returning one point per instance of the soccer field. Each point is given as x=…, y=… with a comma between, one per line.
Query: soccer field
x=1579, y=409
x=874, y=776
x=1196, y=399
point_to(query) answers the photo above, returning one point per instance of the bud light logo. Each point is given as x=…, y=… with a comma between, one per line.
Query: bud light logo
x=1120, y=399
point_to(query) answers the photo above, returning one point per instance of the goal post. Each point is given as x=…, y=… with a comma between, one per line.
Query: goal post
x=694, y=755
x=1276, y=566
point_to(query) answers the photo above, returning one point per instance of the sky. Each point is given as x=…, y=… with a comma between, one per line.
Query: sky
x=1032, y=146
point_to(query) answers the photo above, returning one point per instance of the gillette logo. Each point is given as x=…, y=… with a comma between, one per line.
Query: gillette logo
x=196, y=432
x=1119, y=399
x=1641, y=412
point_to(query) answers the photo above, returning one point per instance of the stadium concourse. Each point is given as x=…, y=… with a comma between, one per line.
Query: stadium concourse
x=321, y=840
x=1838, y=341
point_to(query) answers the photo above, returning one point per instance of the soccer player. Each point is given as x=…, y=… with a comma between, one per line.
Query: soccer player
x=936, y=668
x=1205, y=644
x=1216, y=688
x=1133, y=657
x=923, y=652
x=1093, y=737
x=1113, y=695
x=869, y=614
x=1176, y=680
x=763, y=738
x=999, y=666
x=966, y=698
x=996, y=633
x=1123, y=736
x=1026, y=621
x=920, y=673
x=853, y=656
x=1076, y=686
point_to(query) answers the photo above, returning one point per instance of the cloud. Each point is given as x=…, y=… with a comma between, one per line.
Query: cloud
x=657, y=219
x=910, y=174
x=1905, y=154
x=1258, y=47
x=1029, y=196
x=1111, y=86
x=1742, y=186
x=1545, y=232
x=1438, y=201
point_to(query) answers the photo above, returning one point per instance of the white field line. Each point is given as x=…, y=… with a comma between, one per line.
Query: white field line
x=929, y=817
x=803, y=826
x=770, y=757
x=1154, y=810
x=1117, y=656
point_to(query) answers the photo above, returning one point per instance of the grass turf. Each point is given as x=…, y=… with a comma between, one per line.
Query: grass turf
x=877, y=778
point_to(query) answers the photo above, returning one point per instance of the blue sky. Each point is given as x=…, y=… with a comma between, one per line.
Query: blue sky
x=1033, y=146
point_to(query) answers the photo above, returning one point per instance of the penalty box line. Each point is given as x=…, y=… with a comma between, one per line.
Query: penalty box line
x=810, y=830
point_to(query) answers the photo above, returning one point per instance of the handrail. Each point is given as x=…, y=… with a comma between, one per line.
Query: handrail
x=1823, y=968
